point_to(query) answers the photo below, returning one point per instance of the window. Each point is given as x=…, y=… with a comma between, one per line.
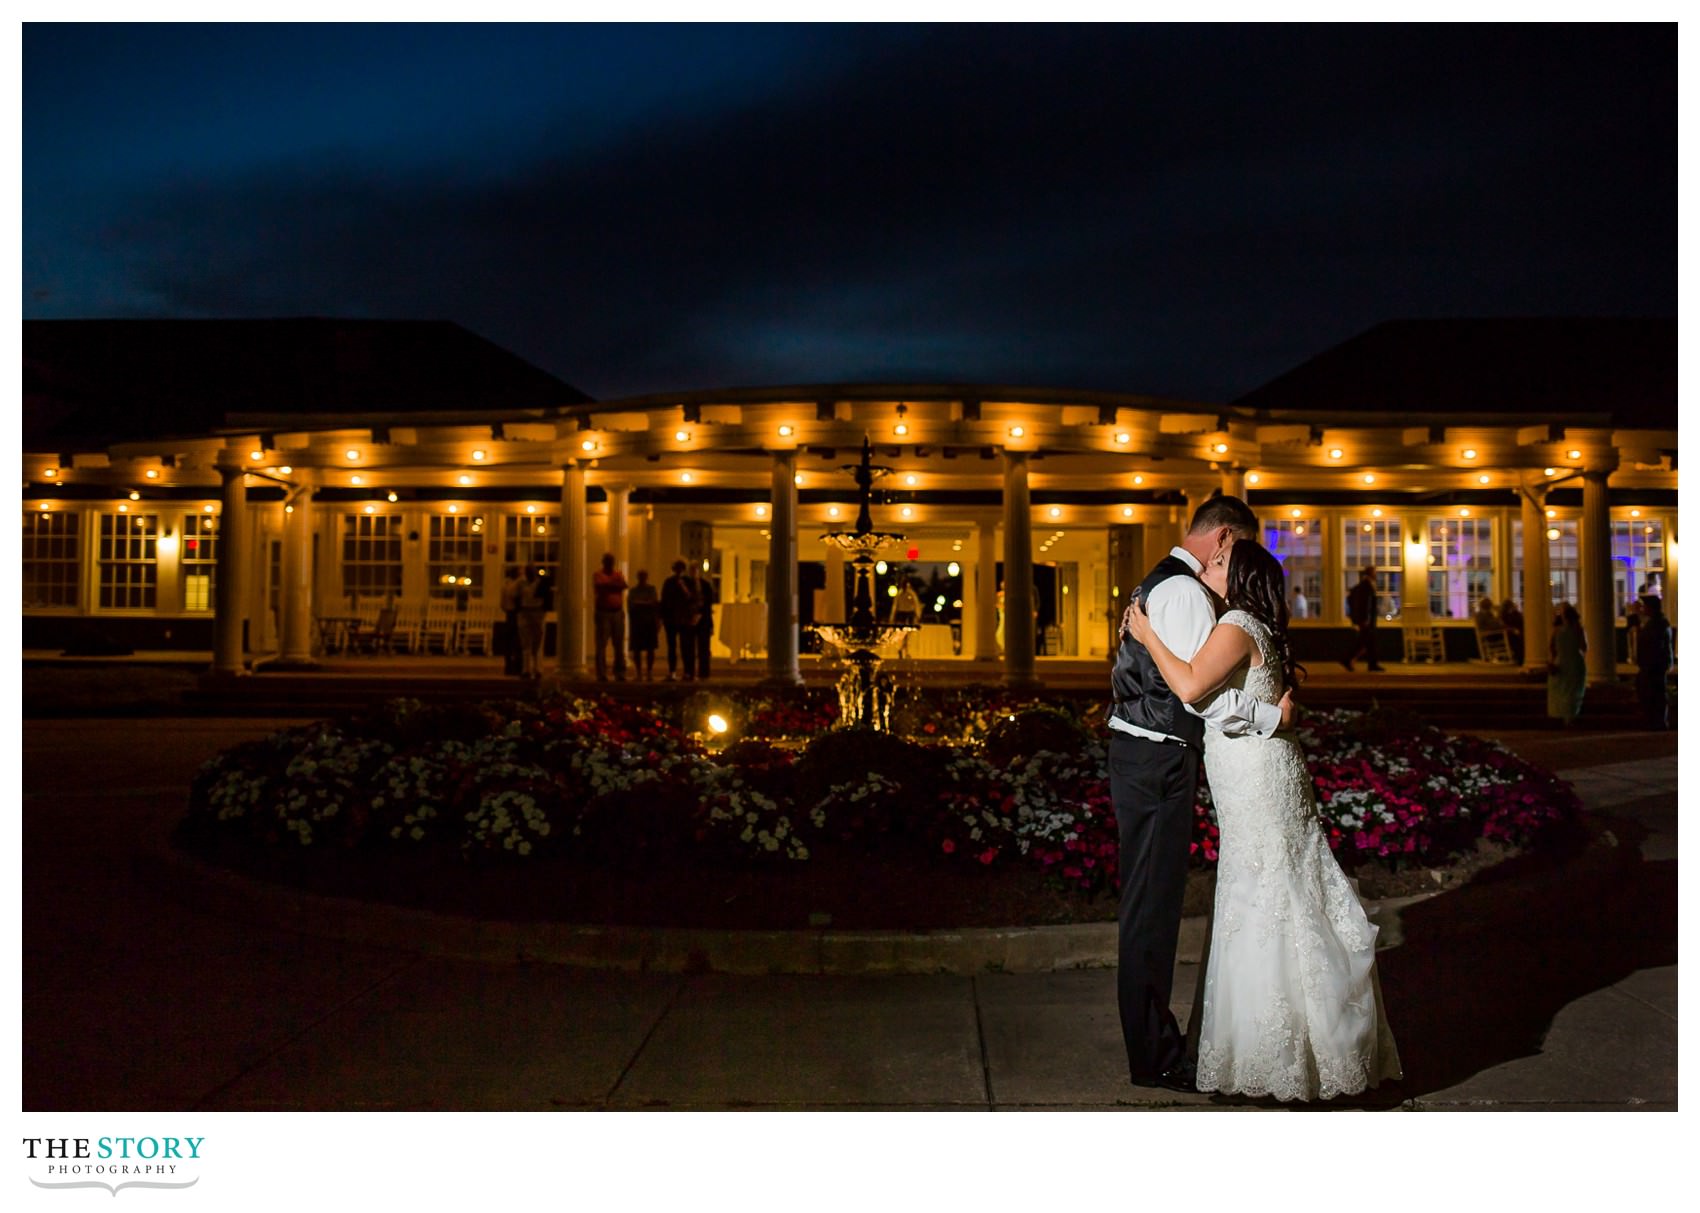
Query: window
x=200, y=561
x=1637, y=559
x=129, y=561
x=52, y=559
x=1564, y=562
x=533, y=540
x=454, y=562
x=1460, y=565
x=1375, y=542
x=371, y=555
x=1297, y=544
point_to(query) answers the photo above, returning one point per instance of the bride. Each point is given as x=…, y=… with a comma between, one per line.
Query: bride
x=1292, y=1002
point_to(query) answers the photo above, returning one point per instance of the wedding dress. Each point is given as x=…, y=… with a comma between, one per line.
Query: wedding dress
x=1292, y=1003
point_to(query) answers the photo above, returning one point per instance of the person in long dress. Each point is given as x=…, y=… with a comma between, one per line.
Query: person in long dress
x=1567, y=666
x=1292, y=1000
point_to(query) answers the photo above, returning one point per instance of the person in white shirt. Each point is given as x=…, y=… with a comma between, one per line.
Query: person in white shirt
x=1301, y=604
x=1154, y=749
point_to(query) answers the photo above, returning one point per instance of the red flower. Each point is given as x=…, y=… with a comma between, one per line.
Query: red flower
x=988, y=855
x=949, y=846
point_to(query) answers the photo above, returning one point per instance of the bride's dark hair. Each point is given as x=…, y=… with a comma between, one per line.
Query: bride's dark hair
x=1257, y=586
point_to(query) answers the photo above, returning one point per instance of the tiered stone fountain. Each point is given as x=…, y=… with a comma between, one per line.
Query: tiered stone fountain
x=864, y=692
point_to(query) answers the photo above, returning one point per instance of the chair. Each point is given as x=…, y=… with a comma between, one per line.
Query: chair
x=476, y=629
x=1494, y=645
x=1424, y=643
x=442, y=626
x=380, y=636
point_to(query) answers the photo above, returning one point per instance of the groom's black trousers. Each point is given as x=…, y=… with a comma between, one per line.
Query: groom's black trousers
x=1152, y=786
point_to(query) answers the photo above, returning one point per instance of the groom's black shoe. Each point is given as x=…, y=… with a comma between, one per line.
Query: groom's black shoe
x=1183, y=1077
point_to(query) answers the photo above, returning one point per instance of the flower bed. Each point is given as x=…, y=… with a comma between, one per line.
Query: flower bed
x=992, y=783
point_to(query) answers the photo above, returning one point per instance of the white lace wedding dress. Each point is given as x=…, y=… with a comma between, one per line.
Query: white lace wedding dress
x=1292, y=1004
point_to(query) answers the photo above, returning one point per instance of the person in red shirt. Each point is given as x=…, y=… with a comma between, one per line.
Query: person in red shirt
x=608, y=588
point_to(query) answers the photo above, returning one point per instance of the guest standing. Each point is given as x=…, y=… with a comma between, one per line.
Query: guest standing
x=534, y=603
x=1653, y=658
x=1567, y=667
x=706, y=598
x=512, y=583
x=608, y=591
x=643, y=615
x=1511, y=619
x=679, y=610
x=1360, y=605
x=1301, y=604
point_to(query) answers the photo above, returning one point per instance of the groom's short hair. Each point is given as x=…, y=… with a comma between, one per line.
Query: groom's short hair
x=1222, y=511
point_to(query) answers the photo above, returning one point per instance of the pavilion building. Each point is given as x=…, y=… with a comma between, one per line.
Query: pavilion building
x=242, y=486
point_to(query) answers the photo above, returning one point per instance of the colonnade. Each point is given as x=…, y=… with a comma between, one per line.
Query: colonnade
x=296, y=600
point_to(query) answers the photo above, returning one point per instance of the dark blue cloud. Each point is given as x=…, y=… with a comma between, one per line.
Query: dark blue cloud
x=1167, y=209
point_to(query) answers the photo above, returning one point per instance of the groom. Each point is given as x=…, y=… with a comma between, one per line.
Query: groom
x=1155, y=745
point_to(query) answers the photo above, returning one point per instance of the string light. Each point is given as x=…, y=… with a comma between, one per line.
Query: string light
x=479, y=455
x=1336, y=453
x=786, y=431
x=1252, y=477
x=352, y=454
x=152, y=473
x=1123, y=437
x=1369, y=477
x=1016, y=431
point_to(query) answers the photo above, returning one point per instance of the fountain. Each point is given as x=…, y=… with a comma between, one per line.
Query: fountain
x=864, y=693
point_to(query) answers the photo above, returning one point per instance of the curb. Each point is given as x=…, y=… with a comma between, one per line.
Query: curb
x=821, y=951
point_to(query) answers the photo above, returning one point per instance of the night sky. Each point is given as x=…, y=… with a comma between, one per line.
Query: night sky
x=1184, y=211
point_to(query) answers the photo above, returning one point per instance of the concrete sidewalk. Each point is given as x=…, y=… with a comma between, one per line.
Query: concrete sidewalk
x=1523, y=992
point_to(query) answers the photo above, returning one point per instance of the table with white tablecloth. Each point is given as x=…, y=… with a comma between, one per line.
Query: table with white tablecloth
x=933, y=640
x=740, y=626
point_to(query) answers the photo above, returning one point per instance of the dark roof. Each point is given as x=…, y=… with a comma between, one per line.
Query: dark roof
x=89, y=383
x=1531, y=367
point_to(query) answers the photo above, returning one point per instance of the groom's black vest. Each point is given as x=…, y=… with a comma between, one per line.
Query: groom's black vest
x=1141, y=695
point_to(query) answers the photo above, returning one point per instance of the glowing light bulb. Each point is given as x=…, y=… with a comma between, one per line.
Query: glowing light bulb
x=684, y=477
x=908, y=512
x=453, y=509
x=530, y=509
x=954, y=569
x=1369, y=477
x=1469, y=452
x=1123, y=438
x=50, y=473
x=785, y=431
x=351, y=453
x=589, y=444
x=1573, y=454
x=393, y=497
x=256, y=455
x=1016, y=431
x=1139, y=480
x=1127, y=511
x=718, y=723
x=911, y=480
x=682, y=435
x=1221, y=448
x=761, y=511
x=1552, y=533
x=356, y=480
x=1252, y=477
x=152, y=473
x=901, y=429
x=832, y=511
x=1298, y=513
x=1055, y=511
x=1336, y=453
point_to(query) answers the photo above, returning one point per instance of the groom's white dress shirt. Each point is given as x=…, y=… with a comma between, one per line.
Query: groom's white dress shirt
x=1183, y=614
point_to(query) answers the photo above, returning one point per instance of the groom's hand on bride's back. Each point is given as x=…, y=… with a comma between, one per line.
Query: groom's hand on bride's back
x=1289, y=709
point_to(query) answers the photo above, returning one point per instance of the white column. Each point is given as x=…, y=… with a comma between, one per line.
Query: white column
x=230, y=593
x=1018, y=600
x=1233, y=483
x=834, y=609
x=1599, y=612
x=986, y=593
x=297, y=572
x=572, y=595
x=782, y=666
x=1537, y=596
x=619, y=534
